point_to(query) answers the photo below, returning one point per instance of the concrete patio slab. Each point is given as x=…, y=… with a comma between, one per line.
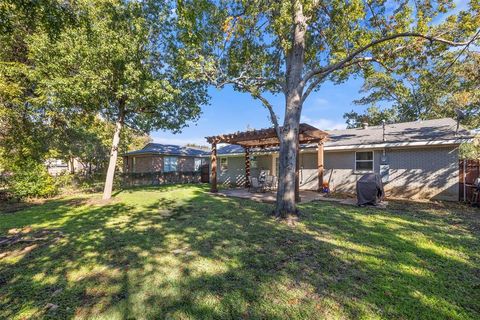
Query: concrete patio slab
x=305, y=197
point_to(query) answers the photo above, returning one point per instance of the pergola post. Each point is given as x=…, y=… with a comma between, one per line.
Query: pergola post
x=247, y=167
x=320, y=166
x=213, y=175
x=297, y=176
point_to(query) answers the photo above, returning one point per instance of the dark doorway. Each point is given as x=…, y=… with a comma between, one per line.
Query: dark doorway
x=205, y=173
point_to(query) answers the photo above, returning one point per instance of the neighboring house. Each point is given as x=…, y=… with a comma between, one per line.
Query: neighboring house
x=58, y=166
x=416, y=159
x=155, y=157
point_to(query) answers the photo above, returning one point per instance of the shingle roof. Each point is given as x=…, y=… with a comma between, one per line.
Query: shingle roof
x=169, y=149
x=417, y=131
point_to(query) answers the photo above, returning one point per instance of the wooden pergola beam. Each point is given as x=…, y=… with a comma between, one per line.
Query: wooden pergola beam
x=213, y=174
x=255, y=138
x=247, y=167
x=320, y=165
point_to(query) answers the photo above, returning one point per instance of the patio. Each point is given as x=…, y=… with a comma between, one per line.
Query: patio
x=266, y=138
x=305, y=197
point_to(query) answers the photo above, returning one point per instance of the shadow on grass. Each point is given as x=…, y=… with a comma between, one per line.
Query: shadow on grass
x=199, y=256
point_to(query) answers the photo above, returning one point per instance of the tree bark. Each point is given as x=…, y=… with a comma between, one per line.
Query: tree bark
x=289, y=144
x=71, y=164
x=112, y=164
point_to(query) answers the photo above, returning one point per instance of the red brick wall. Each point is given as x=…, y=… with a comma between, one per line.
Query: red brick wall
x=154, y=163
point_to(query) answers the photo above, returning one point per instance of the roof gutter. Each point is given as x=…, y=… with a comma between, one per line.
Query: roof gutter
x=400, y=144
x=376, y=146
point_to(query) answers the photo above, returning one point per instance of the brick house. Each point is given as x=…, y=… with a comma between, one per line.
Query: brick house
x=155, y=157
x=415, y=159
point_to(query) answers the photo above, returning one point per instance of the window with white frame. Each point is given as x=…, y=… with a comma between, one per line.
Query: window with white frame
x=198, y=164
x=170, y=164
x=364, y=161
x=224, y=163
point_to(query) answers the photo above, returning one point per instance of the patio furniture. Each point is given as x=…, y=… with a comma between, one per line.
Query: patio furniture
x=263, y=175
x=269, y=183
x=256, y=186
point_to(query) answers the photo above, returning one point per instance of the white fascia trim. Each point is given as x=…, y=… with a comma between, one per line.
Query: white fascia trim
x=400, y=144
x=373, y=146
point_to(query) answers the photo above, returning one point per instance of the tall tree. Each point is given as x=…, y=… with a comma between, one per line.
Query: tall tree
x=292, y=47
x=119, y=63
x=433, y=91
x=24, y=129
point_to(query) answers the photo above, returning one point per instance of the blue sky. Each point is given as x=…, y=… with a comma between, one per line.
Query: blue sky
x=231, y=111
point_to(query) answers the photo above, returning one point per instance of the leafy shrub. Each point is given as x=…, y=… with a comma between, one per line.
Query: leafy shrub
x=65, y=180
x=31, y=179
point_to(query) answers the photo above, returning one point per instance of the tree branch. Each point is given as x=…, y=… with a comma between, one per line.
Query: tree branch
x=322, y=77
x=273, y=116
x=252, y=85
x=341, y=63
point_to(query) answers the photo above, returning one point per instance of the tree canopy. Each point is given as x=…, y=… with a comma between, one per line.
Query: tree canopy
x=433, y=91
x=111, y=58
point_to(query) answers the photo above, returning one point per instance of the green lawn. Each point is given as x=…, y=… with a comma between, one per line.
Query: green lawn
x=179, y=253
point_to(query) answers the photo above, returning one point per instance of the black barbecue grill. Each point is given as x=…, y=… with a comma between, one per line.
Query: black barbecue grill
x=369, y=190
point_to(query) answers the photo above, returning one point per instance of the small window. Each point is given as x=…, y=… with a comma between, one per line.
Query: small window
x=224, y=163
x=364, y=161
x=253, y=162
x=198, y=164
x=170, y=164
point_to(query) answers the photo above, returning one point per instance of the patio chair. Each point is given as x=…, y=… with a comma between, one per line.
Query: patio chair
x=269, y=180
x=255, y=185
x=262, y=176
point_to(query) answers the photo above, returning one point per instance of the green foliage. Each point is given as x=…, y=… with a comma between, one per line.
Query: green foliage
x=470, y=150
x=430, y=92
x=117, y=63
x=374, y=116
x=31, y=179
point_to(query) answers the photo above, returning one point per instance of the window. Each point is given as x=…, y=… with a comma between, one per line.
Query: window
x=364, y=161
x=170, y=164
x=224, y=163
x=253, y=162
x=198, y=164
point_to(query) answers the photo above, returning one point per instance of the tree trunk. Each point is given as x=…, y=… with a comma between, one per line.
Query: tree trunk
x=71, y=164
x=112, y=164
x=289, y=145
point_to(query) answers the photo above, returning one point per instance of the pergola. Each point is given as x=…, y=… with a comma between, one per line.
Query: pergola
x=267, y=138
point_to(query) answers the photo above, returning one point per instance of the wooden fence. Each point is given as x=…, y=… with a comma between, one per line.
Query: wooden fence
x=469, y=171
x=160, y=178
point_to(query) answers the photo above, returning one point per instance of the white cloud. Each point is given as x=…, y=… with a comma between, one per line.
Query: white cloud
x=321, y=102
x=180, y=141
x=324, y=124
x=316, y=104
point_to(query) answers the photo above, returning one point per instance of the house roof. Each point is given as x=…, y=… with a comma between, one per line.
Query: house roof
x=417, y=133
x=168, y=149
